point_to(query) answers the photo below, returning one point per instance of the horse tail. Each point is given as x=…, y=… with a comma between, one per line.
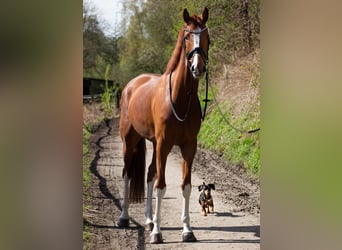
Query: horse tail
x=136, y=173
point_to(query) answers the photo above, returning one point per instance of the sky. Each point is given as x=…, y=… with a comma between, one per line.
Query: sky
x=109, y=13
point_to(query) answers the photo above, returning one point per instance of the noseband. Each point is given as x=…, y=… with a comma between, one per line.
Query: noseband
x=196, y=50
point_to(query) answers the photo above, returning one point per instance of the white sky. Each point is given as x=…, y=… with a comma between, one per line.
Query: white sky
x=109, y=13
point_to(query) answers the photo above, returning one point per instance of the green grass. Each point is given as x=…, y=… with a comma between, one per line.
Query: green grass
x=86, y=157
x=237, y=148
x=87, y=132
x=107, y=96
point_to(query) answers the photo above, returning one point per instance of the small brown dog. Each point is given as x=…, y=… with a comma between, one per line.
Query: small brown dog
x=205, y=198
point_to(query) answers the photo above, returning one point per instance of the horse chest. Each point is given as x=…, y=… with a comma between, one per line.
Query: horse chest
x=181, y=133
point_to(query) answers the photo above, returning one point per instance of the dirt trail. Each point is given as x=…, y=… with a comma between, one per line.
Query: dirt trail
x=234, y=225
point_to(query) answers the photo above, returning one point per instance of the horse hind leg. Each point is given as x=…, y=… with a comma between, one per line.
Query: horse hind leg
x=124, y=216
x=133, y=174
x=151, y=177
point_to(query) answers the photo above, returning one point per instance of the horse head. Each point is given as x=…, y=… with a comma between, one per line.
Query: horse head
x=196, y=42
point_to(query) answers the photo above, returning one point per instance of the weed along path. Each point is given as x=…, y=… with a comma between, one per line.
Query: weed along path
x=234, y=224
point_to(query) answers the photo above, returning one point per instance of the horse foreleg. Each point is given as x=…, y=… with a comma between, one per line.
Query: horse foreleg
x=188, y=153
x=187, y=235
x=156, y=236
x=185, y=213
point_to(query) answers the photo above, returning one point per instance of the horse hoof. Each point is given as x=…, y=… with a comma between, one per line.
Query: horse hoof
x=189, y=237
x=156, y=238
x=149, y=226
x=123, y=223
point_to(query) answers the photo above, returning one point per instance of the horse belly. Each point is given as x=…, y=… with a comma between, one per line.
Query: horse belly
x=140, y=113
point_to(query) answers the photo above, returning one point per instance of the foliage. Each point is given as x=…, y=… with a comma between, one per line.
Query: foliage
x=98, y=49
x=107, y=96
x=86, y=172
x=152, y=31
x=86, y=158
x=236, y=147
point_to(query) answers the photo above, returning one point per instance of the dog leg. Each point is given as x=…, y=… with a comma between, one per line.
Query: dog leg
x=204, y=210
x=211, y=207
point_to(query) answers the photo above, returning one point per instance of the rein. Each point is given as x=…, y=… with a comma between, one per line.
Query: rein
x=226, y=120
x=206, y=100
x=173, y=106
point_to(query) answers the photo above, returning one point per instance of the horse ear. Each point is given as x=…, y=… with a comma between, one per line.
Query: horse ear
x=205, y=15
x=186, y=16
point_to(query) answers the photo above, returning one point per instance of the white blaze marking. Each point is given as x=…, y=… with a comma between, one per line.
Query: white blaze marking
x=196, y=37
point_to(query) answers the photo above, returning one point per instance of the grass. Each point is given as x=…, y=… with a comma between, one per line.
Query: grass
x=240, y=85
x=107, y=96
x=87, y=132
x=237, y=148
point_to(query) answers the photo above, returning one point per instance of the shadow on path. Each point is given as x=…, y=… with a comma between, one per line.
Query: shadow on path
x=106, y=129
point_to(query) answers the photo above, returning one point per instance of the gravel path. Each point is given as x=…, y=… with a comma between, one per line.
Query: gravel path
x=234, y=225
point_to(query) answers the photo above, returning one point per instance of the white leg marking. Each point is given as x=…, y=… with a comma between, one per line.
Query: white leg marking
x=185, y=214
x=125, y=202
x=156, y=218
x=148, y=210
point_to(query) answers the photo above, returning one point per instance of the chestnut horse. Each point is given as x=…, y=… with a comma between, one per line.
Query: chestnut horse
x=165, y=110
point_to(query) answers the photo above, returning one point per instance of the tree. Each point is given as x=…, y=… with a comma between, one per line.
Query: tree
x=153, y=28
x=98, y=50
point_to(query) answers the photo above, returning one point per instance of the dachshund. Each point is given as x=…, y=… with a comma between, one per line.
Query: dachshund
x=205, y=198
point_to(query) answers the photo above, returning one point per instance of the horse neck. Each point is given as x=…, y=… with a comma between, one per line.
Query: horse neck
x=182, y=82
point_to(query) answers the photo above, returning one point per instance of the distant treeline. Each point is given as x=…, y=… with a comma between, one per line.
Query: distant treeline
x=149, y=32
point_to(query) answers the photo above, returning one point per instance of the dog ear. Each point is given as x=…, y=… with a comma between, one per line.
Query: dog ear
x=212, y=186
x=200, y=188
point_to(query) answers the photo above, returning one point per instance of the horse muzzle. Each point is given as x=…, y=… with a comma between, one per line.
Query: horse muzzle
x=197, y=59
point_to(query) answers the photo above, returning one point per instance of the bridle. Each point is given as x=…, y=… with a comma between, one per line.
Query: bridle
x=196, y=50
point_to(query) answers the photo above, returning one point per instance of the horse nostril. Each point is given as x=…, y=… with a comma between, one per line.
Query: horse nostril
x=192, y=68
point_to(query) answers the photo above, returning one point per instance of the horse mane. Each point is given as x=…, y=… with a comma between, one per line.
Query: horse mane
x=173, y=62
x=171, y=65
